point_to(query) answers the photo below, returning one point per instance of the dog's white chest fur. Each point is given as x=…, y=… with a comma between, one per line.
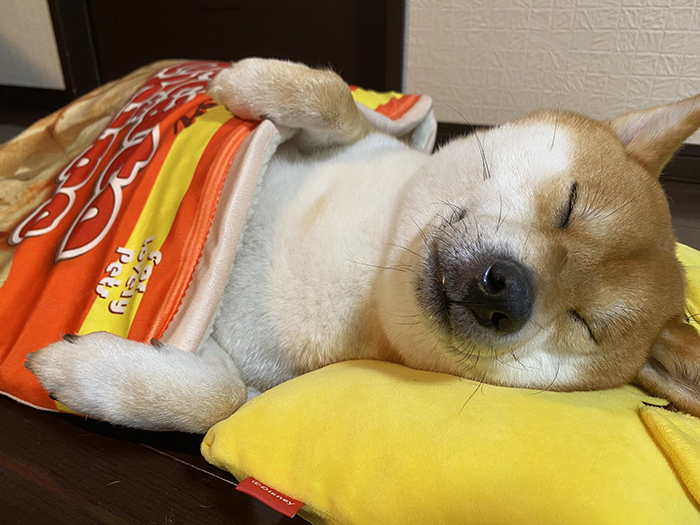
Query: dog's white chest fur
x=301, y=283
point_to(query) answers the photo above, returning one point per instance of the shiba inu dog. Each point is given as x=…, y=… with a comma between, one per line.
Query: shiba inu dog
x=536, y=254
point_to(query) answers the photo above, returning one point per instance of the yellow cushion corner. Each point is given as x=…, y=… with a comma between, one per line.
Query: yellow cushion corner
x=678, y=435
x=368, y=442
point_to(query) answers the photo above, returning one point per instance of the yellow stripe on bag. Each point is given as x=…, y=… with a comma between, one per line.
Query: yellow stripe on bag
x=138, y=258
x=373, y=99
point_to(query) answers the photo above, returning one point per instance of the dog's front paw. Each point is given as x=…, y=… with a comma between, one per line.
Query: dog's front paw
x=82, y=372
x=317, y=102
x=247, y=87
x=150, y=386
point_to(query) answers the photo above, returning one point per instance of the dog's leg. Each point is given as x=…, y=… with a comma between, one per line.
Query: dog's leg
x=149, y=386
x=316, y=102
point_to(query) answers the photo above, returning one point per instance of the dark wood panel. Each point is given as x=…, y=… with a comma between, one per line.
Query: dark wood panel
x=684, y=166
x=684, y=200
x=361, y=39
x=75, y=47
x=58, y=469
x=101, y=41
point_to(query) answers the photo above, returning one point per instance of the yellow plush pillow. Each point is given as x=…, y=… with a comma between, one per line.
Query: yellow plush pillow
x=368, y=442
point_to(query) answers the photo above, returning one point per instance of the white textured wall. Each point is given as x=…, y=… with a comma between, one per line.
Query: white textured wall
x=496, y=60
x=28, y=53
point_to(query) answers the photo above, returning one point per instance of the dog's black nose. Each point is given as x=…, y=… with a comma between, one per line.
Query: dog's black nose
x=501, y=296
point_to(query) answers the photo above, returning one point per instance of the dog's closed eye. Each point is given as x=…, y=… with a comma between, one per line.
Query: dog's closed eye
x=583, y=321
x=565, y=214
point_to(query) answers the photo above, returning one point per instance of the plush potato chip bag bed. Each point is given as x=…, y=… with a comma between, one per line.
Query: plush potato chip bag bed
x=141, y=246
x=365, y=442
x=122, y=211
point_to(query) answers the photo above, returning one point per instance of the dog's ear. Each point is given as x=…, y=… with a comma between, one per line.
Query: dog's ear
x=673, y=368
x=651, y=136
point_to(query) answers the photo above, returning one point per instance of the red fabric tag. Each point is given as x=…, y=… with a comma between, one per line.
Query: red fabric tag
x=270, y=497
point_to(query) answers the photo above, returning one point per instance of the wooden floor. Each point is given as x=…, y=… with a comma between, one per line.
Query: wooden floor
x=58, y=469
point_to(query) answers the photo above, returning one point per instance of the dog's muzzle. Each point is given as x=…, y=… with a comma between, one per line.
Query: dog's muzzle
x=491, y=291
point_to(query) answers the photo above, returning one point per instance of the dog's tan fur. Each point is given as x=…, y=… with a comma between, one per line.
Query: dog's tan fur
x=315, y=102
x=619, y=253
x=631, y=259
x=330, y=290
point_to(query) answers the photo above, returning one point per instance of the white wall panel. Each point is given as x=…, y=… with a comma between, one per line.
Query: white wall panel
x=28, y=53
x=493, y=61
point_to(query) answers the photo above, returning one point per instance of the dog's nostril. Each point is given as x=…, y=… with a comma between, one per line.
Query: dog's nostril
x=498, y=319
x=493, y=281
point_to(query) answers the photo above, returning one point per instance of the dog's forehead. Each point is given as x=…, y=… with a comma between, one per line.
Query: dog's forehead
x=571, y=133
x=537, y=148
x=548, y=145
x=598, y=162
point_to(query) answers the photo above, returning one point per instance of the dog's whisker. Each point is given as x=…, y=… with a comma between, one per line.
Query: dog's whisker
x=504, y=363
x=458, y=212
x=484, y=163
x=527, y=237
x=422, y=233
x=481, y=384
x=448, y=222
x=473, y=365
x=397, y=268
x=624, y=205
x=402, y=315
x=402, y=248
x=446, y=241
x=524, y=367
x=547, y=389
x=556, y=120
x=501, y=216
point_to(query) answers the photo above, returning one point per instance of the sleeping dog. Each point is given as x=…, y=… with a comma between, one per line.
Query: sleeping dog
x=536, y=254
